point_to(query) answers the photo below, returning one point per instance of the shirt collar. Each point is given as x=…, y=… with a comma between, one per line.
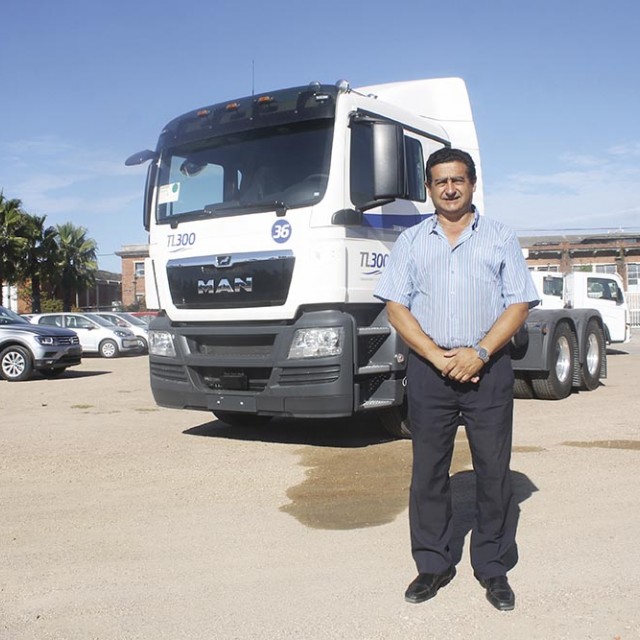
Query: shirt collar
x=433, y=222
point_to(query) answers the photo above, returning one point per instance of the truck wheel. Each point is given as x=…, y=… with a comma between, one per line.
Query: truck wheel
x=556, y=383
x=594, y=343
x=16, y=363
x=522, y=386
x=234, y=419
x=396, y=420
x=108, y=349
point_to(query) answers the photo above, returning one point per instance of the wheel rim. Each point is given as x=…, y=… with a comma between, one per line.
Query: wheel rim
x=108, y=349
x=593, y=354
x=13, y=364
x=563, y=360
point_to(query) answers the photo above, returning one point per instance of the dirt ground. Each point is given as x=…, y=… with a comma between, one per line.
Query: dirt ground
x=121, y=520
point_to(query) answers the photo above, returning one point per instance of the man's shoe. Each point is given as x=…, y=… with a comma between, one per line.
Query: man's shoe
x=426, y=585
x=499, y=593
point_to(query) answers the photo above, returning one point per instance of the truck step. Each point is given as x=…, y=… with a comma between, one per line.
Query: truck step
x=372, y=369
x=375, y=404
x=374, y=331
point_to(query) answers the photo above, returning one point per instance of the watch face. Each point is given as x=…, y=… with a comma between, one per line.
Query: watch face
x=483, y=354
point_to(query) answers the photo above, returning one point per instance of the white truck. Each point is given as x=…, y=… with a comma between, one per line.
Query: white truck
x=270, y=219
x=587, y=290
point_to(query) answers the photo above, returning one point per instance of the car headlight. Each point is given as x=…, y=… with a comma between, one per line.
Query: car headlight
x=316, y=343
x=161, y=344
x=122, y=334
x=45, y=340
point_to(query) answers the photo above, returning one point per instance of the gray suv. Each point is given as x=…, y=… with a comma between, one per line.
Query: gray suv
x=25, y=348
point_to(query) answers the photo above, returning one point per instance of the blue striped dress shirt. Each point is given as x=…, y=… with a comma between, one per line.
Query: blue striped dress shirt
x=457, y=293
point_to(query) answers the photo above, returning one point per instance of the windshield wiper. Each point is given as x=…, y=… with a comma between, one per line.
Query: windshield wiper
x=253, y=207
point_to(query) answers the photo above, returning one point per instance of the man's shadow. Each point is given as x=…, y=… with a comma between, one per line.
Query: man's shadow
x=463, y=494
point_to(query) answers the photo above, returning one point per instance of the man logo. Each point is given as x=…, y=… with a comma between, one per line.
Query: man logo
x=225, y=285
x=223, y=261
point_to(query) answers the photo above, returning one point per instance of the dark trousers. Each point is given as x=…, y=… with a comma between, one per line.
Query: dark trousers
x=437, y=406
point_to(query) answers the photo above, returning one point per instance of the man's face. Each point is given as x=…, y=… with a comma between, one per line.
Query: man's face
x=450, y=188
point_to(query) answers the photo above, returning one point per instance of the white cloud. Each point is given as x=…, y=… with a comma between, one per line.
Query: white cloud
x=598, y=197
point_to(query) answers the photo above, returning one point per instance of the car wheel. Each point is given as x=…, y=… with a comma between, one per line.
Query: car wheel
x=142, y=345
x=109, y=349
x=16, y=363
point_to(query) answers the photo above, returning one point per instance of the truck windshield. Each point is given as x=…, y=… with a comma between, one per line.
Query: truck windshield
x=280, y=167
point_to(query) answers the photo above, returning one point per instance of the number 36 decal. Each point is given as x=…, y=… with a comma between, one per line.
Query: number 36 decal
x=281, y=231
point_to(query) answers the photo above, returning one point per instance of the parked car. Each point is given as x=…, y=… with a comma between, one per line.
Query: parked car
x=96, y=334
x=25, y=348
x=146, y=316
x=121, y=319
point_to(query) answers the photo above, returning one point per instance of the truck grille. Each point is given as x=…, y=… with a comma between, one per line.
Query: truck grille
x=232, y=281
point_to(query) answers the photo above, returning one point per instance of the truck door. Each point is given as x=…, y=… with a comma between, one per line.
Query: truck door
x=605, y=294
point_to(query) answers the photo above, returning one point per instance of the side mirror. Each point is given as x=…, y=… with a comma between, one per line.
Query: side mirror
x=141, y=157
x=388, y=161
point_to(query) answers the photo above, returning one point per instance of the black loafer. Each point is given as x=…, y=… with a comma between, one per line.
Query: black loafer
x=426, y=585
x=499, y=593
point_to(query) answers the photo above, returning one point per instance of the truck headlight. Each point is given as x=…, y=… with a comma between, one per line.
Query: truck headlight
x=316, y=343
x=161, y=344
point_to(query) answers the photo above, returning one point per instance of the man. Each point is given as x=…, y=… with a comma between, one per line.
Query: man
x=457, y=289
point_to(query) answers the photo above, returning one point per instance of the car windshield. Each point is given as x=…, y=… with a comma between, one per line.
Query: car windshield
x=98, y=319
x=278, y=167
x=10, y=317
x=132, y=319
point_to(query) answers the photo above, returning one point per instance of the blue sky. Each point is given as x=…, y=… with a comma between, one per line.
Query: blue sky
x=555, y=89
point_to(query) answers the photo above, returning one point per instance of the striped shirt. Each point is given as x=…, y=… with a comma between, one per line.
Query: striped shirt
x=457, y=293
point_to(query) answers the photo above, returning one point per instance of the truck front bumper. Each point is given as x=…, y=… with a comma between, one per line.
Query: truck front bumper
x=245, y=368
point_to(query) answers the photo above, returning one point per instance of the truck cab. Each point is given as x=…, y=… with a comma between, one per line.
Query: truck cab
x=587, y=290
x=270, y=219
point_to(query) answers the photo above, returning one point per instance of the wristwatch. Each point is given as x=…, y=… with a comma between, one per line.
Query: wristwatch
x=483, y=354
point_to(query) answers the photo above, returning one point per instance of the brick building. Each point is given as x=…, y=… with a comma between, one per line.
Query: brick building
x=133, y=256
x=608, y=253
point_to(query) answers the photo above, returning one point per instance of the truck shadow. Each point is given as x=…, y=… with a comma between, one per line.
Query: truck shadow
x=338, y=432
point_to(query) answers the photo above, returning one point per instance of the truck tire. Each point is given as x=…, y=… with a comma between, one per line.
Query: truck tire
x=522, y=386
x=396, y=420
x=557, y=383
x=594, y=345
x=16, y=363
x=234, y=419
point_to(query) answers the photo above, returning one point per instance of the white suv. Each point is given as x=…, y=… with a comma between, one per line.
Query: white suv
x=96, y=334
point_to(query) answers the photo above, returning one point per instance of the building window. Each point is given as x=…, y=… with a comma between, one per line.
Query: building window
x=138, y=269
x=633, y=276
x=605, y=268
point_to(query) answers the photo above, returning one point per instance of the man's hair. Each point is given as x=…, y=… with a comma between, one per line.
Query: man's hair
x=446, y=154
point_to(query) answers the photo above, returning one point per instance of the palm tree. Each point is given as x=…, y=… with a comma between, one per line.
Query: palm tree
x=40, y=252
x=76, y=261
x=11, y=243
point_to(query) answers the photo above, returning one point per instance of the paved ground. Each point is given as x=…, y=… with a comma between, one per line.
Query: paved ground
x=121, y=520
